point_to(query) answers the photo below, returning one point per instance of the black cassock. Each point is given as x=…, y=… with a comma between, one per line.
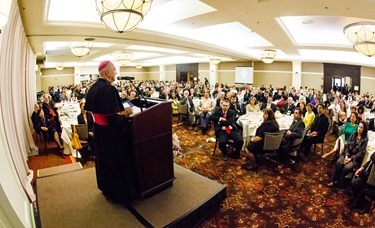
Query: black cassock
x=113, y=157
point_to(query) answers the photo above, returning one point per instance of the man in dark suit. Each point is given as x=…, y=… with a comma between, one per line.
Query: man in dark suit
x=225, y=128
x=289, y=106
x=295, y=131
x=317, y=132
x=269, y=104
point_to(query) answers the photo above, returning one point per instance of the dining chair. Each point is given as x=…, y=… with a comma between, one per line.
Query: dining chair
x=272, y=142
x=183, y=114
x=83, y=134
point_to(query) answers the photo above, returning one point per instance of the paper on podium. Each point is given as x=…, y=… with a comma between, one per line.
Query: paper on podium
x=134, y=108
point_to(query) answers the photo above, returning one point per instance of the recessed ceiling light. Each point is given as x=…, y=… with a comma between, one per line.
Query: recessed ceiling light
x=306, y=22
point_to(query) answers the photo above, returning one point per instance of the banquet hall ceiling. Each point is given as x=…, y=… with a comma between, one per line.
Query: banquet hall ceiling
x=188, y=31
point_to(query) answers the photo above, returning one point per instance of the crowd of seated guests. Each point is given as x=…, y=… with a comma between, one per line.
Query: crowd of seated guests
x=312, y=111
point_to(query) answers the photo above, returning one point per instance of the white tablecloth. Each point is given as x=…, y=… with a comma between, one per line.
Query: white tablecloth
x=370, y=146
x=68, y=113
x=251, y=121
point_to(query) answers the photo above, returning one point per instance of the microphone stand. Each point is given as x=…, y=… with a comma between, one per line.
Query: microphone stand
x=139, y=96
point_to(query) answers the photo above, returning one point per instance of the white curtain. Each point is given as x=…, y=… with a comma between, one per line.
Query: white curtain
x=17, y=94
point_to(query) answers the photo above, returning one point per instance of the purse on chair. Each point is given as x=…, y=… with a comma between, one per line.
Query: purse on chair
x=76, y=143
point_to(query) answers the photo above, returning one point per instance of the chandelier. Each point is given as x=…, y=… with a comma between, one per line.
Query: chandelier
x=80, y=49
x=268, y=56
x=362, y=36
x=122, y=58
x=122, y=15
x=214, y=60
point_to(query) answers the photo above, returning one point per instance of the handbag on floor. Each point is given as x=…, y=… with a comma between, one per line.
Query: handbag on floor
x=76, y=143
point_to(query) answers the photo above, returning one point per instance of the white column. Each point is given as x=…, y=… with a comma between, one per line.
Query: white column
x=77, y=75
x=213, y=73
x=296, y=74
x=162, y=73
x=38, y=81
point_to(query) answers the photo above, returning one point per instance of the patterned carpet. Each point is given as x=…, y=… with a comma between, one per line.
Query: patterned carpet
x=296, y=196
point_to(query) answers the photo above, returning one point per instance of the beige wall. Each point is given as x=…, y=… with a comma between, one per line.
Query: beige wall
x=368, y=80
x=275, y=74
x=53, y=77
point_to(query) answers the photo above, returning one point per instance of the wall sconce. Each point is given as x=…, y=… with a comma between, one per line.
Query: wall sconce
x=60, y=67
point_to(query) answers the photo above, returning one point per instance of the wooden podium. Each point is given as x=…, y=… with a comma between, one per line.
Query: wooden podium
x=152, y=147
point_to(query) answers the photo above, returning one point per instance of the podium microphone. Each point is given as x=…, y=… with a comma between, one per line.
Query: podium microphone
x=125, y=78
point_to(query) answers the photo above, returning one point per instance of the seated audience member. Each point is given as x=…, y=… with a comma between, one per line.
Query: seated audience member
x=359, y=181
x=221, y=97
x=175, y=103
x=309, y=116
x=132, y=95
x=124, y=96
x=225, y=128
x=235, y=106
x=289, y=106
x=255, y=145
x=87, y=118
x=302, y=106
x=269, y=105
x=295, y=131
x=164, y=95
x=48, y=129
x=352, y=157
x=191, y=109
x=316, y=133
x=368, y=103
x=361, y=113
x=63, y=97
x=206, y=107
x=47, y=107
x=34, y=115
x=252, y=106
x=348, y=130
x=281, y=103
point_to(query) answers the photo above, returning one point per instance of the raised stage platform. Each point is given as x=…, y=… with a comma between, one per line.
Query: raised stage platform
x=72, y=199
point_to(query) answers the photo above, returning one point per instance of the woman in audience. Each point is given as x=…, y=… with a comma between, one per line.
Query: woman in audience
x=48, y=128
x=352, y=157
x=302, y=106
x=255, y=145
x=86, y=118
x=309, y=116
x=175, y=102
x=361, y=113
x=348, y=130
x=246, y=95
x=252, y=106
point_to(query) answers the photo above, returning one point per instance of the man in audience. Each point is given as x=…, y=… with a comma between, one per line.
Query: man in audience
x=235, y=106
x=225, y=128
x=269, y=105
x=295, y=131
x=206, y=107
x=289, y=106
x=220, y=98
x=316, y=133
x=190, y=104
